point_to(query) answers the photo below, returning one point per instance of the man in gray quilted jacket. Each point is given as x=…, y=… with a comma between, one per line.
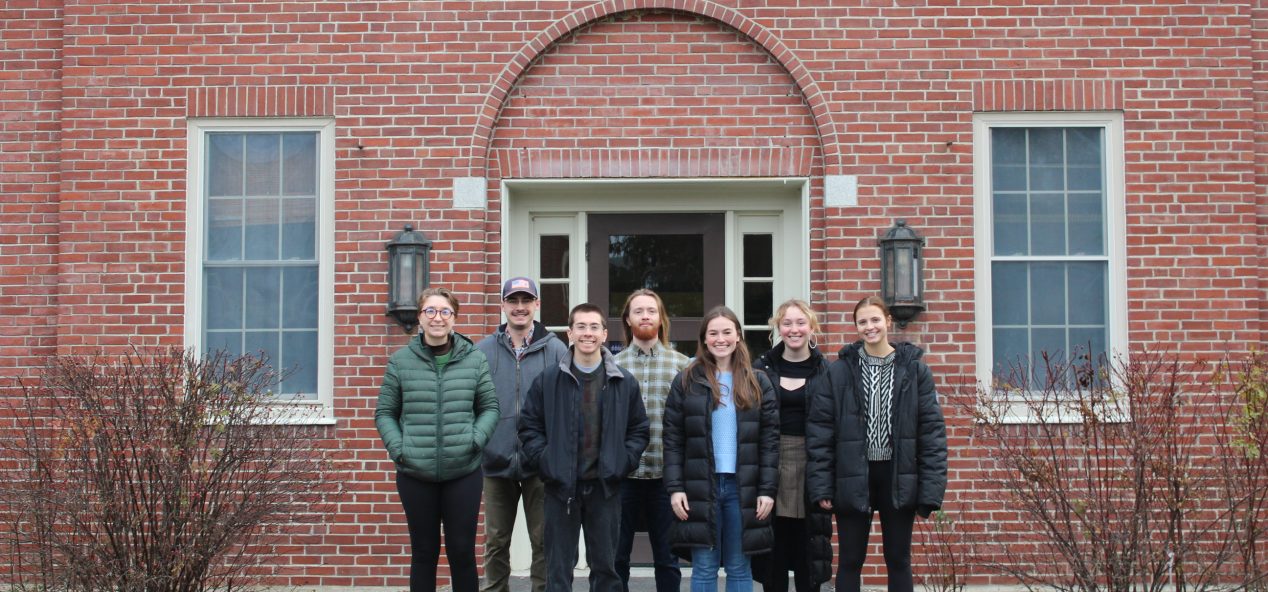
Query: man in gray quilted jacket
x=518, y=352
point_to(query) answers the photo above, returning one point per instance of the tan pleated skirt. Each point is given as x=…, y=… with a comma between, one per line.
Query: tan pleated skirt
x=790, y=502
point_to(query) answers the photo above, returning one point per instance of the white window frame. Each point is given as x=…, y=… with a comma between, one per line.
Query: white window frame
x=1115, y=230
x=319, y=411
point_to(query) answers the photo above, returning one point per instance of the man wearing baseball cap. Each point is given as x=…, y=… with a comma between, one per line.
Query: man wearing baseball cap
x=518, y=351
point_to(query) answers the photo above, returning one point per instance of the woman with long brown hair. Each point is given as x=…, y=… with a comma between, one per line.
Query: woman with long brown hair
x=721, y=440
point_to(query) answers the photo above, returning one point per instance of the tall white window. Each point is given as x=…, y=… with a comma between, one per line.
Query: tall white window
x=1050, y=230
x=260, y=247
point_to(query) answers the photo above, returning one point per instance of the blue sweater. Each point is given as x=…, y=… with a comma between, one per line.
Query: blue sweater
x=725, y=429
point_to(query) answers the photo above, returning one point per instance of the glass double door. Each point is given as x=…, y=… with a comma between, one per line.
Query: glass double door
x=679, y=256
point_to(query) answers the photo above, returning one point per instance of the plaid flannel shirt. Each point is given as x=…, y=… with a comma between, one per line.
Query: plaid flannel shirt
x=655, y=373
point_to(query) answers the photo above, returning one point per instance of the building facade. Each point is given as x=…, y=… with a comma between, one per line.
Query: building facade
x=226, y=175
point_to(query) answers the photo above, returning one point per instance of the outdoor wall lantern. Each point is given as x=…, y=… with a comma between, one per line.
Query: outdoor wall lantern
x=901, y=284
x=407, y=276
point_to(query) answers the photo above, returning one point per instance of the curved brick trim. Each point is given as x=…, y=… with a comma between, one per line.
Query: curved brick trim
x=482, y=134
x=1047, y=95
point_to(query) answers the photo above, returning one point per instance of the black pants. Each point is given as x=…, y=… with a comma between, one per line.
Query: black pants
x=599, y=518
x=790, y=553
x=648, y=498
x=853, y=529
x=428, y=505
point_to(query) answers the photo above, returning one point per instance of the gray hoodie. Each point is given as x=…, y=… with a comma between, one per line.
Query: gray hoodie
x=511, y=378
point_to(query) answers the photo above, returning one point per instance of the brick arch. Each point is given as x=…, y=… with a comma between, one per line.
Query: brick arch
x=516, y=67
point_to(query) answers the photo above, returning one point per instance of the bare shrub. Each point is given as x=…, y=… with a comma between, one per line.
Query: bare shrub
x=1123, y=471
x=153, y=471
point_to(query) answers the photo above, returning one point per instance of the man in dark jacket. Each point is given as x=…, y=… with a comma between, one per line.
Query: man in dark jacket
x=583, y=428
x=518, y=352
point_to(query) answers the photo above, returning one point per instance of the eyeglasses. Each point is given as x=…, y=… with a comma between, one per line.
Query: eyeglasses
x=443, y=312
x=592, y=327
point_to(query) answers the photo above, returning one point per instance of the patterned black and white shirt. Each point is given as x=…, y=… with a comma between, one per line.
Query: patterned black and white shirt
x=878, y=385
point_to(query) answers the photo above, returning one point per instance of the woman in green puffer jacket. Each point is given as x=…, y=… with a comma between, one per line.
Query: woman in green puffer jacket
x=436, y=410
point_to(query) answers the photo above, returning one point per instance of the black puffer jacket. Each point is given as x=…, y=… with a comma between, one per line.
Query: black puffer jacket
x=688, y=439
x=819, y=391
x=837, y=448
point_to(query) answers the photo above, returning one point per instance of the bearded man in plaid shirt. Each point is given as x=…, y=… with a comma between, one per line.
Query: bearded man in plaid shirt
x=654, y=364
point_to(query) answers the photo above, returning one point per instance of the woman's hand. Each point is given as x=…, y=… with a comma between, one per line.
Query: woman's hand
x=765, y=504
x=678, y=502
x=826, y=504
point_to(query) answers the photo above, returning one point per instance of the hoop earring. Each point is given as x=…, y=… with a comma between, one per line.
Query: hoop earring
x=813, y=344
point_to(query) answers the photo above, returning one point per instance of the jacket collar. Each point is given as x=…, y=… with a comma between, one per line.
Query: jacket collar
x=461, y=346
x=610, y=367
x=770, y=360
x=904, y=352
x=537, y=341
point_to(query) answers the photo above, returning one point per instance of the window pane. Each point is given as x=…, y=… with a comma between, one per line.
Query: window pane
x=261, y=229
x=758, y=301
x=229, y=342
x=224, y=230
x=1088, y=342
x=1047, y=178
x=263, y=342
x=223, y=298
x=670, y=264
x=224, y=165
x=1083, y=146
x=1047, y=224
x=1051, y=342
x=262, y=166
x=1009, y=298
x=299, y=289
x=1087, y=224
x=1011, y=351
x=299, y=167
x=1010, y=223
x=1087, y=293
x=554, y=257
x=758, y=255
x=1008, y=146
x=554, y=299
x=1046, y=147
x=299, y=229
x=299, y=349
x=1047, y=294
x=263, y=297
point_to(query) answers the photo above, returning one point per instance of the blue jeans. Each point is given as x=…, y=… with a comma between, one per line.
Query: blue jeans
x=648, y=498
x=729, y=552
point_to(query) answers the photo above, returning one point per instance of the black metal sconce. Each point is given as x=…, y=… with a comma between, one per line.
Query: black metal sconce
x=902, y=283
x=408, y=267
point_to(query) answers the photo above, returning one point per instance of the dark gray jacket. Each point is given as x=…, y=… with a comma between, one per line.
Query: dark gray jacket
x=550, y=427
x=512, y=377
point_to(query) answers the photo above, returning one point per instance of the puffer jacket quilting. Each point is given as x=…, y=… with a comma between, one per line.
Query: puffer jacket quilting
x=688, y=445
x=435, y=422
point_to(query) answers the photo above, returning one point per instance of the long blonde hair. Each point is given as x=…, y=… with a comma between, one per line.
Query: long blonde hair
x=745, y=390
x=662, y=332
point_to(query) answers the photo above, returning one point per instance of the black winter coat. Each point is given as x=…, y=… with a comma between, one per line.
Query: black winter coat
x=837, y=446
x=550, y=427
x=688, y=440
x=819, y=391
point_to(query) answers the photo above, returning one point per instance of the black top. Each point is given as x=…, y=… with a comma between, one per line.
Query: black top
x=792, y=403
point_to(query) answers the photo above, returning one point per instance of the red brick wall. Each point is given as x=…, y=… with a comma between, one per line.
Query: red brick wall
x=30, y=161
x=1260, y=59
x=93, y=161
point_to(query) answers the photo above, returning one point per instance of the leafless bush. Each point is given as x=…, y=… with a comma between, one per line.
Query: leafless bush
x=153, y=471
x=1122, y=469
x=947, y=551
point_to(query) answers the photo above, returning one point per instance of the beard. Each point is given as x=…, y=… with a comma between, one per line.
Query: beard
x=645, y=333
